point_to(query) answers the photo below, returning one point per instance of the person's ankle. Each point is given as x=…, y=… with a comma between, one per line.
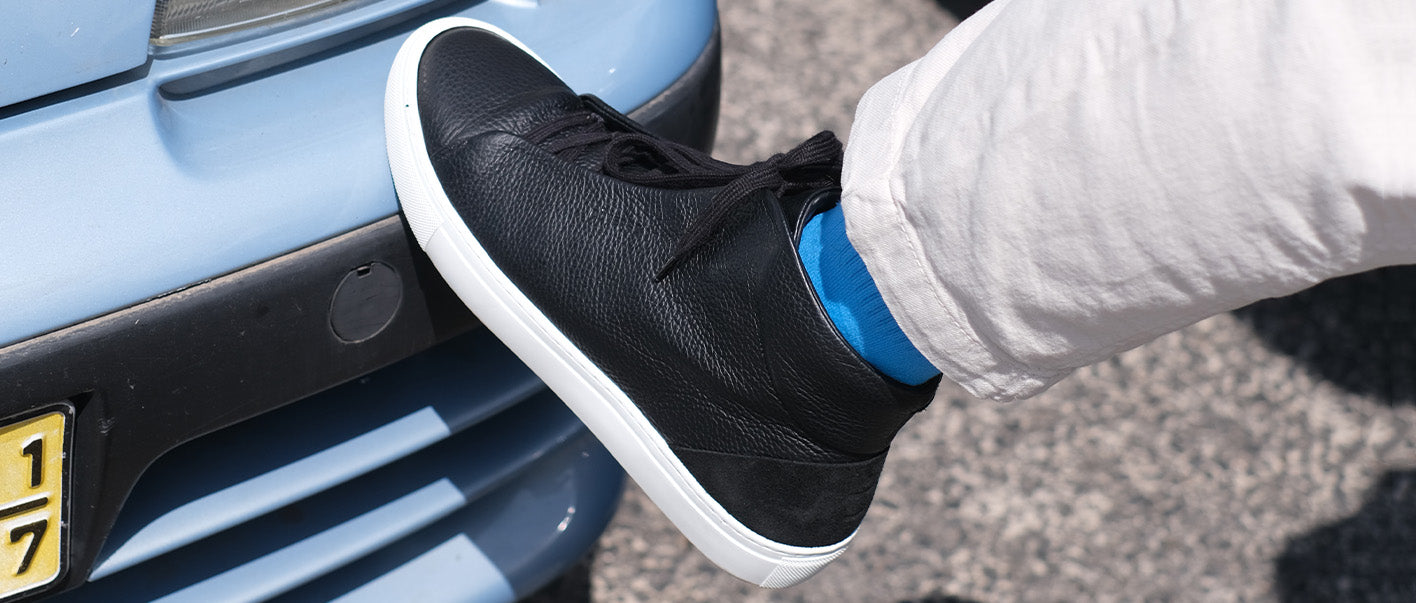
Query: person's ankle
x=854, y=304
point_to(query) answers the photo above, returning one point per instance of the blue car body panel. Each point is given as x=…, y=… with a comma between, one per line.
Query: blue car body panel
x=215, y=157
x=49, y=46
x=436, y=576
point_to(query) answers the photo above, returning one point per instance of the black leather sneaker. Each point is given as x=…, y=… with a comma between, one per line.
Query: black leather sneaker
x=656, y=290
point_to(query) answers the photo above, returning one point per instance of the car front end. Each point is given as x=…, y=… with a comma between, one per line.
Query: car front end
x=245, y=380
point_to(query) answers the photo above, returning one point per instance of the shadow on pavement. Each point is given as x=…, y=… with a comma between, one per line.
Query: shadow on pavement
x=939, y=599
x=1358, y=331
x=1370, y=556
x=571, y=587
x=962, y=8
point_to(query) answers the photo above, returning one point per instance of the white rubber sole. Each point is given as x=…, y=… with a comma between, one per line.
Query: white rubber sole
x=596, y=400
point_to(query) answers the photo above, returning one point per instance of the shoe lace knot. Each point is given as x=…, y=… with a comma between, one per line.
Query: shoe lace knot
x=639, y=158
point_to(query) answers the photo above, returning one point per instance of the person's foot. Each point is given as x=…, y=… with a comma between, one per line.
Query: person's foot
x=658, y=292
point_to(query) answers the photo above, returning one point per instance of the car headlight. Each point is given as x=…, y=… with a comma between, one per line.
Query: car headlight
x=178, y=21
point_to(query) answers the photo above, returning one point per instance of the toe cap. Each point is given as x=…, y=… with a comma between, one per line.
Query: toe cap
x=473, y=80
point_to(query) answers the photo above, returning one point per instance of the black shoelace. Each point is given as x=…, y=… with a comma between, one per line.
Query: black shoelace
x=642, y=159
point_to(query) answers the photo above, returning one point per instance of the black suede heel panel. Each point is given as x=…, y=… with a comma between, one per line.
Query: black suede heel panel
x=795, y=503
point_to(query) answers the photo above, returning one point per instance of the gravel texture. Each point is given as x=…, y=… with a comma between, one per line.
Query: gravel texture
x=1260, y=455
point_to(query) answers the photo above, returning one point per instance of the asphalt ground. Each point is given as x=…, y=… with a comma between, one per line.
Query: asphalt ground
x=1262, y=455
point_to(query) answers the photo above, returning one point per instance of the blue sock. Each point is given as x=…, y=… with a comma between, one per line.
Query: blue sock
x=853, y=302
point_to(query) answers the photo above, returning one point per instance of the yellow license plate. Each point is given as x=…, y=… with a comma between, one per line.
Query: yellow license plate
x=32, y=491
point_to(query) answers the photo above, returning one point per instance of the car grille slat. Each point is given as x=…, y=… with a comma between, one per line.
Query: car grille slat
x=531, y=528
x=273, y=503
x=433, y=577
x=233, y=505
x=474, y=379
x=293, y=565
x=300, y=542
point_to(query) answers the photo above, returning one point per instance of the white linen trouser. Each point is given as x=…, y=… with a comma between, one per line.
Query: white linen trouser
x=1058, y=181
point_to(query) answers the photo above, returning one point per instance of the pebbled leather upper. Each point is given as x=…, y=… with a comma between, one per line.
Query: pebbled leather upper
x=472, y=81
x=731, y=352
x=731, y=357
